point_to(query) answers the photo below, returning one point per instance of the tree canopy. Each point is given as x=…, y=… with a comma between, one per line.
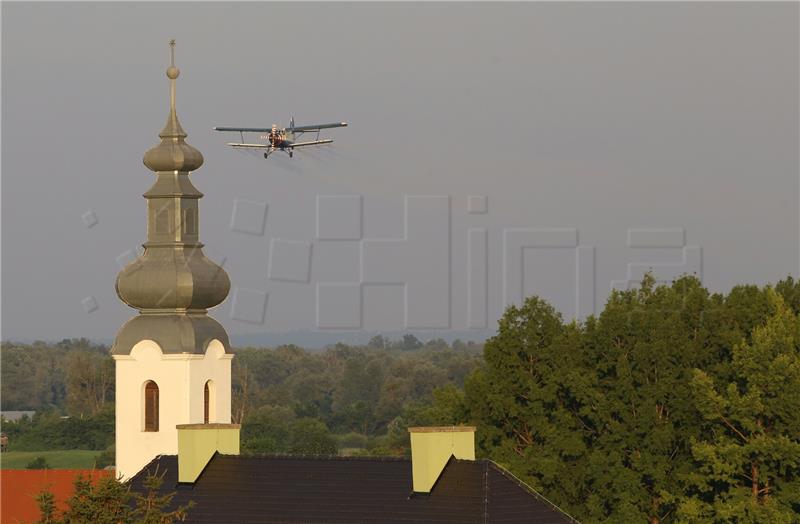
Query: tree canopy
x=673, y=404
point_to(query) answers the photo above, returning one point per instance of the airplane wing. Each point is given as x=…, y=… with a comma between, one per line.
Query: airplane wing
x=312, y=143
x=316, y=127
x=248, y=146
x=300, y=129
x=245, y=129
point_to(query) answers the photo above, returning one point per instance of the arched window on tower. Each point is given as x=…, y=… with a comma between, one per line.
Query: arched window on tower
x=208, y=403
x=151, y=406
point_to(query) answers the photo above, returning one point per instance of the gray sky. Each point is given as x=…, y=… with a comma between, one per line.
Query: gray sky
x=606, y=138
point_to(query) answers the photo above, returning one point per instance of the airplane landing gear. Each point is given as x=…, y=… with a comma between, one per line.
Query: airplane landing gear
x=266, y=155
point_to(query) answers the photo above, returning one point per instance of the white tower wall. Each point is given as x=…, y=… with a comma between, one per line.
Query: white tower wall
x=181, y=379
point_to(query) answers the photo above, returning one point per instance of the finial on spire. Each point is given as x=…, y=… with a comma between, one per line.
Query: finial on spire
x=172, y=71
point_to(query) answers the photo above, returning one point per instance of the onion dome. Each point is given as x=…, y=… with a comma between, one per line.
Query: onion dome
x=173, y=153
x=172, y=280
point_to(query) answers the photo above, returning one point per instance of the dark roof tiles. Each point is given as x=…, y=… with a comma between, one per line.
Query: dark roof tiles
x=338, y=490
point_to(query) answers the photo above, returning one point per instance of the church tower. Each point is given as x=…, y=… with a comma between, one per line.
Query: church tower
x=173, y=361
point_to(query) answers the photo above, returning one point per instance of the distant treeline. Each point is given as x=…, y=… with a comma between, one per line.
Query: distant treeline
x=71, y=376
x=288, y=399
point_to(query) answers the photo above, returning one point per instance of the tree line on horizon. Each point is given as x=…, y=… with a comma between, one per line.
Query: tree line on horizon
x=288, y=400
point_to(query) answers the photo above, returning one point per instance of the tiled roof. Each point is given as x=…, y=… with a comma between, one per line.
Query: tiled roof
x=336, y=489
x=19, y=488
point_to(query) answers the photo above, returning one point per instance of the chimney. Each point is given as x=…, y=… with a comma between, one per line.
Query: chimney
x=432, y=447
x=197, y=443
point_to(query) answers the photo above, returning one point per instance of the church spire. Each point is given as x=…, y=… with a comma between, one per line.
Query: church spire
x=173, y=276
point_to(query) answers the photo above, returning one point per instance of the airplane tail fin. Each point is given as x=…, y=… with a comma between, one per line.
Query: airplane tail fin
x=291, y=123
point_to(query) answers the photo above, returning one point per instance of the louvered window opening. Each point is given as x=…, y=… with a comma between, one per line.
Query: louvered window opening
x=205, y=404
x=151, y=407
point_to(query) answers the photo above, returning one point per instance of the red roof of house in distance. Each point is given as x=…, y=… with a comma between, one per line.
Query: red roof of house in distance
x=19, y=487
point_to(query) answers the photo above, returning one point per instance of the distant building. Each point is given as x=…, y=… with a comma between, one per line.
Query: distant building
x=13, y=416
x=173, y=401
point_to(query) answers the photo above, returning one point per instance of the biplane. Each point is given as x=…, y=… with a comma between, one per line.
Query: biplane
x=281, y=138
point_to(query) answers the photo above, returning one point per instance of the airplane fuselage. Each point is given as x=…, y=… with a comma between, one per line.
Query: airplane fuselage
x=281, y=140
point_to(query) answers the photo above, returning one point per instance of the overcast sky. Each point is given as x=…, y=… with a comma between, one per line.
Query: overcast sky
x=605, y=138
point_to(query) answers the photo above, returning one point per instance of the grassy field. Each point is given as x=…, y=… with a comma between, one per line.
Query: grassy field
x=67, y=459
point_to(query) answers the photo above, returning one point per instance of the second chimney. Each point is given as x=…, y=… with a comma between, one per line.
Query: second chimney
x=432, y=447
x=197, y=443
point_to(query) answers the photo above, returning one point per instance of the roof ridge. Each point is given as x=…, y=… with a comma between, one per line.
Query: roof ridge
x=291, y=456
x=524, y=485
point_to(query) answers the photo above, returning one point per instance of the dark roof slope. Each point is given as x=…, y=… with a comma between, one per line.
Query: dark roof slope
x=336, y=489
x=510, y=500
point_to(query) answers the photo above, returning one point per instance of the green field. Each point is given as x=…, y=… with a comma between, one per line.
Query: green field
x=65, y=459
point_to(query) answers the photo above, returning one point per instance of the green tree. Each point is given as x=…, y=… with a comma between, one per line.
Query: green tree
x=266, y=430
x=108, y=501
x=89, y=380
x=47, y=507
x=749, y=464
x=311, y=437
x=310, y=392
x=407, y=380
x=241, y=389
x=32, y=376
x=151, y=507
x=38, y=463
x=104, y=501
x=275, y=429
x=447, y=407
x=789, y=289
x=348, y=388
x=600, y=416
x=357, y=394
x=437, y=343
x=106, y=458
x=521, y=403
x=378, y=342
x=49, y=430
x=410, y=342
x=639, y=413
